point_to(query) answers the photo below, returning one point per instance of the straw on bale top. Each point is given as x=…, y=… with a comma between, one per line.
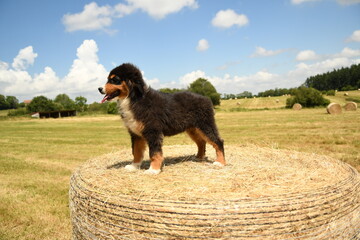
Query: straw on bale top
x=334, y=108
x=350, y=106
x=262, y=193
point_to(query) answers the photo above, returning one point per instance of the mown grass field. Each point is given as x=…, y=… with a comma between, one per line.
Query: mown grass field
x=37, y=157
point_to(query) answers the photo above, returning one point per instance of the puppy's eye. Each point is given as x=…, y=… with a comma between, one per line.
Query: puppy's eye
x=115, y=80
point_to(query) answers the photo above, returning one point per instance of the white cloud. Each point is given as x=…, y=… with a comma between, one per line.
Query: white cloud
x=228, y=18
x=307, y=55
x=84, y=77
x=348, y=53
x=348, y=2
x=263, y=80
x=91, y=18
x=303, y=70
x=232, y=84
x=94, y=17
x=355, y=37
x=122, y=10
x=203, y=45
x=262, y=52
x=25, y=57
x=86, y=73
x=296, y=2
x=160, y=8
x=190, y=77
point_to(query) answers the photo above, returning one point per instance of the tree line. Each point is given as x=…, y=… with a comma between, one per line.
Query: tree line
x=9, y=102
x=64, y=102
x=61, y=102
x=344, y=79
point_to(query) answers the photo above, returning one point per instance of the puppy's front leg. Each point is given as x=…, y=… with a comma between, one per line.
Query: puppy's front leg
x=138, y=145
x=155, y=151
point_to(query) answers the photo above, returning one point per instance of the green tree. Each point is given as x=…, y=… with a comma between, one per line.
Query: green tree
x=80, y=104
x=338, y=79
x=64, y=102
x=307, y=97
x=3, y=103
x=204, y=87
x=41, y=104
x=12, y=101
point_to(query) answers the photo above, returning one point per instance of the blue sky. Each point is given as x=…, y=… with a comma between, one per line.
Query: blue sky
x=53, y=47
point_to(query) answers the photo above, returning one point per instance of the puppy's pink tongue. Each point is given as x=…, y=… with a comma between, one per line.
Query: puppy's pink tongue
x=105, y=98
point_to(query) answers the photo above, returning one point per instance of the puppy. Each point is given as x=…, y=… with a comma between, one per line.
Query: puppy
x=150, y=115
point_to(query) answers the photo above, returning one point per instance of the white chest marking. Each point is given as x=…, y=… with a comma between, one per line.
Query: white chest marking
x=128, y=117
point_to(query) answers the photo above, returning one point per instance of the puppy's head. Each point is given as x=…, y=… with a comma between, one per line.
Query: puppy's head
x=123, y=81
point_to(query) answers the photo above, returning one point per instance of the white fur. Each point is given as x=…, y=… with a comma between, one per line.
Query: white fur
x=218, y=164
x=152, y=171
x=128, y=116
x=133, y=167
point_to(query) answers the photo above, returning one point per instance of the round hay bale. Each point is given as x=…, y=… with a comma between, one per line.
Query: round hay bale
x=262, y=193
x=334, y=108
x=350, y=106
x=297, y=106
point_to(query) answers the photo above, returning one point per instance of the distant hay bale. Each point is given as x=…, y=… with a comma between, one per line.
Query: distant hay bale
x=334, y=108
x=297, y=106
x=262, y=193
x=350, y=106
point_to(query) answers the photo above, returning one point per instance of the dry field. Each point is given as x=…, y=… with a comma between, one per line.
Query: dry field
x=37, y=157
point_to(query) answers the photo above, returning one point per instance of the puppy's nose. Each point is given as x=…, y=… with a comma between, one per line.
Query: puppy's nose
x=101, y=90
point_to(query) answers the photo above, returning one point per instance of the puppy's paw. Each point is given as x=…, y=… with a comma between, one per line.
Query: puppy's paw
x=151, y=171
x=218, y=164
x=132, y=167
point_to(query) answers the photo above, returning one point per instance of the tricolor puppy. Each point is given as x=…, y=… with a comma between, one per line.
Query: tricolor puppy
x=150, y=115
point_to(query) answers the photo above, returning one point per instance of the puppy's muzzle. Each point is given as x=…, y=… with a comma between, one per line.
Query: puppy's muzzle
x=101, y=90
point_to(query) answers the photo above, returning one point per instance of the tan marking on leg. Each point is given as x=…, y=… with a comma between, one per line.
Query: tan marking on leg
x=139, y=149
x=220, y=158
x=156, y=161
x=199, y=140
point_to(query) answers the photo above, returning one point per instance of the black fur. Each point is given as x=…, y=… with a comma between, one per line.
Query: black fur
x=165, y=114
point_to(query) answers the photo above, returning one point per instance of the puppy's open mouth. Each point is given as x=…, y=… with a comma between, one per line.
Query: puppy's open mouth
x=108, y=97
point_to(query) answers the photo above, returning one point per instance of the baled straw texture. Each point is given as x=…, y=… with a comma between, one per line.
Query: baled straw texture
x=297, y=106
x=350, y=106
x=262, y=193
x=334, y=108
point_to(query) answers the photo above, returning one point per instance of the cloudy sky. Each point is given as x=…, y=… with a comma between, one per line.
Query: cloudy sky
x=53, y=47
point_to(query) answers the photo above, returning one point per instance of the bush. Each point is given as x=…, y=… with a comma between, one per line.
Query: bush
x=112, y=108
x=204, y=87
x=64, y=102
x=17, y=112
x=41, y=104
x=307, y=97
x=330, y=93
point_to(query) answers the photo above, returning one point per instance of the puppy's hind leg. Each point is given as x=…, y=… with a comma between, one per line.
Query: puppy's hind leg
x=138, y=148
x=211, y=135
x=199, y=140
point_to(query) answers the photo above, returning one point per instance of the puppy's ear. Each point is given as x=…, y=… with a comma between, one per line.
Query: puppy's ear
x=136, y=90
